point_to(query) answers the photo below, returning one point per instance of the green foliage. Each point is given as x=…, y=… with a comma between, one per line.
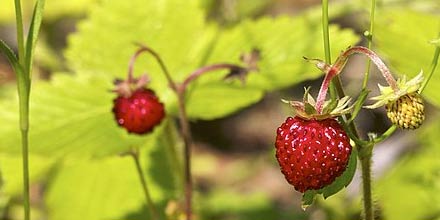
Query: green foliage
x=282, y=41
x=71, y=114
x=110, y=188
x=403, y=37
x=410, y=190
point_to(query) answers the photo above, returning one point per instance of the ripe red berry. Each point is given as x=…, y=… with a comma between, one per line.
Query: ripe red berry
x=312, y=153
x=140, y=112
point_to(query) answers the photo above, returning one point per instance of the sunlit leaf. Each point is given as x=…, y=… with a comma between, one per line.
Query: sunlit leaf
x=110, y=188
x=403, y=36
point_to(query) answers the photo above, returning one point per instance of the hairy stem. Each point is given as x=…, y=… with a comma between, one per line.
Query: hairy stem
x=340, y=62
x=365, y=158
x=149, y=202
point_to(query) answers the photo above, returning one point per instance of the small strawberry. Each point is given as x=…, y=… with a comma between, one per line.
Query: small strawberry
x=312, y=153
x=312, y=148
x=403, y=103
x=137, y=108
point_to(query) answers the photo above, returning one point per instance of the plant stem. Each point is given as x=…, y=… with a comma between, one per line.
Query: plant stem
x=184, y=125
x=25, y=155
x=370, y=42
x=326, y=37
x=363, y=155
x=23, y=84
x=433, y=67
x=365, y=158
x=149, y=202
x=187, y=139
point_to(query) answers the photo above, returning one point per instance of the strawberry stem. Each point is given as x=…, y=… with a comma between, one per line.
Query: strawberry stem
x=194, y=75
x=386, y=73
x=143, y=48
x=149, y=202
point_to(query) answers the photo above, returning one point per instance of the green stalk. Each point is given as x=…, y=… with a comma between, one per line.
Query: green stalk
x=433, y=67
x=149, y=202
x=23, y=84
x=326, y=37
x=369, y=36
x=364, y=150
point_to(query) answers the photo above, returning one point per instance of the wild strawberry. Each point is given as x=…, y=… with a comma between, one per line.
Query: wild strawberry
x=403, y=103
x=312, y=153
x=137, y=108
x=312, y=148
x=407, y=112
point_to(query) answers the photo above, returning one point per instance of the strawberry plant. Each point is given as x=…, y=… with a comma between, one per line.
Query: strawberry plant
x=131, y=148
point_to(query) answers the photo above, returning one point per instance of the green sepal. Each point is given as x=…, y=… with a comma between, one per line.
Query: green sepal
x=357, y=106
x=340, y=183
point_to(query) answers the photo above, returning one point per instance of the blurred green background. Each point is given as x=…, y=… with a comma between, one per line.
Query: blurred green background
x=76, y=168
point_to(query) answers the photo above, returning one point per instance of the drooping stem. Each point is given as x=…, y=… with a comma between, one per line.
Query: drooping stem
x=386, y=73
x=148, y=201
x=143, y=48
x=194, y=75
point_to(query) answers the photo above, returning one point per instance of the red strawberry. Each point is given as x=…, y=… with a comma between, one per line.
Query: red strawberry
x=140, y=112
x=311, y=152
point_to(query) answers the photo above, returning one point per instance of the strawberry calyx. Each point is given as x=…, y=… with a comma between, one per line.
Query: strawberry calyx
x=390, y=95
x=307, y=109
x=125, y=88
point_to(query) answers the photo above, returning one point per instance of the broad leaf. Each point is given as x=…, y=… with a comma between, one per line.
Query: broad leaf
x=110, y=188
x=283, y=41
x=403, y=36
x=70, y=115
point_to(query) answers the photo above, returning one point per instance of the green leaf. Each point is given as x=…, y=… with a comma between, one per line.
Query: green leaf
x=204, y=101
x=11, y=171
x=340, y=183
x=283, y=41
x=32, y=37
x=359, y=103
x=70, y=115
x=12, y=58
x=399, y=35
x=110, y=188
x=411, y=188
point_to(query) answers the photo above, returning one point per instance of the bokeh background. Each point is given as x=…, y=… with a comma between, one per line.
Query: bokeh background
x=76, y=168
